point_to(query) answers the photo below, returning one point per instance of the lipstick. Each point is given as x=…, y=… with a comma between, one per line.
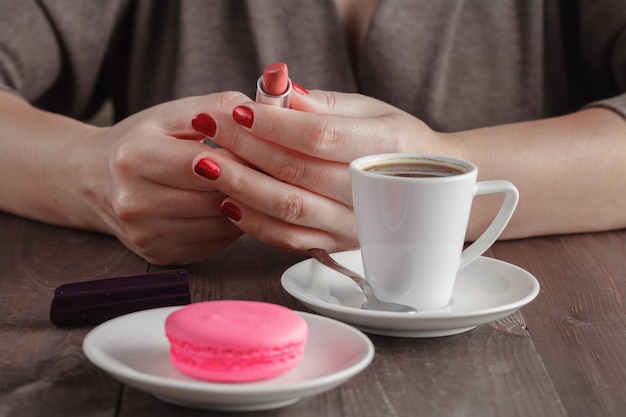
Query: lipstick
x=274, y=86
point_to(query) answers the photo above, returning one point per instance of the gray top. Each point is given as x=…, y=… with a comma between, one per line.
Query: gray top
x=455, y=64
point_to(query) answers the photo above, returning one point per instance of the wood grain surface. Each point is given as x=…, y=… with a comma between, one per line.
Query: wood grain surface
x=564, y=354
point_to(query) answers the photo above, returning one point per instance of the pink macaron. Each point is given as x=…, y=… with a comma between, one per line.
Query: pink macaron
x=235, y=341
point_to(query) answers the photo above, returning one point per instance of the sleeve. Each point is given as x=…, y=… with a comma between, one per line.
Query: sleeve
x=52, y=51
x=617, y=104
x=603, y=48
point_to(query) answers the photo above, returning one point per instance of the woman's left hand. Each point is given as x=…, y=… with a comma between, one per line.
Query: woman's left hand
x=295, y=193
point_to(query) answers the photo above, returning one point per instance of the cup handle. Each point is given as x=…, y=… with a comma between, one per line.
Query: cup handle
x=491, y=234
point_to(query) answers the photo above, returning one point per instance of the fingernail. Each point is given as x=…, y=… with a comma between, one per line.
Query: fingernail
x=204, y=124
x=231, y=211
x=243, y=115
x=299, y=89
x=207, y=169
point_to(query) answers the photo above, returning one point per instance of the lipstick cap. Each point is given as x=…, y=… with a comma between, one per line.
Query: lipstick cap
x=93, y=302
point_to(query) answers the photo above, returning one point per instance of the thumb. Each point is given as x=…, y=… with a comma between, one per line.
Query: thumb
x=337, y=103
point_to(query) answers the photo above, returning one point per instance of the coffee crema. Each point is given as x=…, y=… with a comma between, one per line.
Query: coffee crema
x=415, y=169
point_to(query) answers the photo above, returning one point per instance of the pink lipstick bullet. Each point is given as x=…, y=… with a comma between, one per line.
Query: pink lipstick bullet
x=274, y=86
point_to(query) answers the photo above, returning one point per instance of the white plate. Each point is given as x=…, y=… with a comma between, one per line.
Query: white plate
x=485, y=291
x=134, y=349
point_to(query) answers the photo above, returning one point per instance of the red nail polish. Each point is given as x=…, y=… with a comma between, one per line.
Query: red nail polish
x=299, y=89
x=204, y=124
x=231, y=211
x=207, y=169
x=243, y=115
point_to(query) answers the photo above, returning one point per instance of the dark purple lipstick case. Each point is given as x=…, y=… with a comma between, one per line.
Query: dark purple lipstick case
x=93, y=302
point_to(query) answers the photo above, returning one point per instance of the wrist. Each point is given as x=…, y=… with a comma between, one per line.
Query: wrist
x=428, y=141
x=91, y=181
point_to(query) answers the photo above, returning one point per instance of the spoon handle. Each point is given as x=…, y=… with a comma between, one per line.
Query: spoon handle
x=323, y=257
x=371, y=301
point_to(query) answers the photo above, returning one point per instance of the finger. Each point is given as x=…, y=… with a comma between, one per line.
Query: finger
x=328, y=178
x=174, y=118
x=147, y=150
x=327, y=136
x=161, y=161
x=340, y=104
x=278, y=199
x=161, y=202
x=273, y=231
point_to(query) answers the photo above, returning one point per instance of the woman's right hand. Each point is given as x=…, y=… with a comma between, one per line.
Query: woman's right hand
x=141, y=189
x=132, y=180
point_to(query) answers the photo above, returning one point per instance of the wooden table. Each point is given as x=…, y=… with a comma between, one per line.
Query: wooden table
x=564, y=354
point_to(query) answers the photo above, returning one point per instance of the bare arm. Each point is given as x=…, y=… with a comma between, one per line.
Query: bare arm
x=42, y=165
x=570, y=170
x=131, y=180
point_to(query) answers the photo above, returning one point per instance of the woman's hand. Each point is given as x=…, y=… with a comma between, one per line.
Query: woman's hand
x=142, y=190
x=296, y=191
x=298, y=194
x=132, y=180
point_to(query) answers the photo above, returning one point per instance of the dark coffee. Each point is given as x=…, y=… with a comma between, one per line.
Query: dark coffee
x=415, y=169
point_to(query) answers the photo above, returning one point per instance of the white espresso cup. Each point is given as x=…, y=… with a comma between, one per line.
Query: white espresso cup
x=412, y=213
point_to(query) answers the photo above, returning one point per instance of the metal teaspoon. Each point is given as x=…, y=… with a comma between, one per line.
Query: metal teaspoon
x=371, y=302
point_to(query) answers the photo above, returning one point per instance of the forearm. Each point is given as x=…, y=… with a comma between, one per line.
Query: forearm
x=42, y=165
x=570, y=171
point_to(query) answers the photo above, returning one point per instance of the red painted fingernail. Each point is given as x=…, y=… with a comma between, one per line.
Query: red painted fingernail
x=204, y=124
x=243, y=115
x=207, y=169
x=299, y=89
x=231, y=211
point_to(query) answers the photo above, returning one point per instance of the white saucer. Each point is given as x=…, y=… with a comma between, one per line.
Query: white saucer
x=134, y=349
x=485, y=291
